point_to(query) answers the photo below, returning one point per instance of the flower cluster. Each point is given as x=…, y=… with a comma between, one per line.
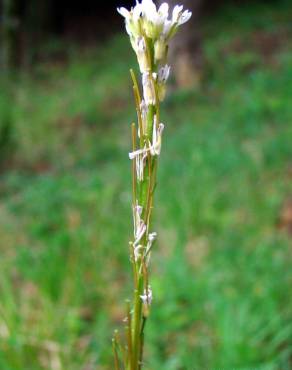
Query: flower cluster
x=145, y=23
x=150, y=30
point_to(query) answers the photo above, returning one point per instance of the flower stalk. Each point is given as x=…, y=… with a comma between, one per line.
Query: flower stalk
x=150, y=30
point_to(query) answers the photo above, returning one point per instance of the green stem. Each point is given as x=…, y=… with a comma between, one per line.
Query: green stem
x=144, y=194
x=137, y=322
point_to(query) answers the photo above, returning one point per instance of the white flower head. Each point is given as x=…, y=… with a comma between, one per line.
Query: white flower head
x=157, y=24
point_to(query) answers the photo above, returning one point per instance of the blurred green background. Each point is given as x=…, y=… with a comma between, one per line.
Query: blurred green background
x=221, y=269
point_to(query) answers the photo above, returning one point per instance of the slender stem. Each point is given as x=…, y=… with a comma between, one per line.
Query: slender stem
x=138, y=105
x=116, y=357
x=137, y=322
x=142, y=344
x=134, y=177
x=145, y=200
x=129, y=337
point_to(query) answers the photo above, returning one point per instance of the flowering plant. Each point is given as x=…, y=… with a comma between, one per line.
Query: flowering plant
x=150, y=31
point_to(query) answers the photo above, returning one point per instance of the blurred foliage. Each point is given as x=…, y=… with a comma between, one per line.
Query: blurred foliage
x=222, y=266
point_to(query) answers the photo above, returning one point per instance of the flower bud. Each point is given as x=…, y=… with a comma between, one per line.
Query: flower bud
x=148, y=89
x=163, y=75
x=159, y=49
x=161, y=91
x=141, y=52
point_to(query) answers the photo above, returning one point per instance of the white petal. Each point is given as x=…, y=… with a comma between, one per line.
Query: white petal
x=137, y=11
x=186, y=15
x=129, y=32
x=176, y=12
x=166, y=27
x=149, y=9
x=163, y=11
x=124, y=12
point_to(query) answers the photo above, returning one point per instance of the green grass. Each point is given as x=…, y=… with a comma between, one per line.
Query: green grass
x=221, y=268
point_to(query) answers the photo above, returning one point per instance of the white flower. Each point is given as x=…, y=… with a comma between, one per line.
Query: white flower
x=149, y=9
x=147, y=296
x=137, y=10
x=163, y=11
x=153, y=19
x=151, y=14
x=144, y=18
x=156, y=137
x=139, y=225
x=179, y=17
x=132, y=15
x=124, y=12
x=148, y=89
x=131, y=19
x=186, y=15
x=163, y=74
x=177, y=10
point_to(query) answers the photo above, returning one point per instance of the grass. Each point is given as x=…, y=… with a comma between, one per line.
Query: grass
x=222, y=266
